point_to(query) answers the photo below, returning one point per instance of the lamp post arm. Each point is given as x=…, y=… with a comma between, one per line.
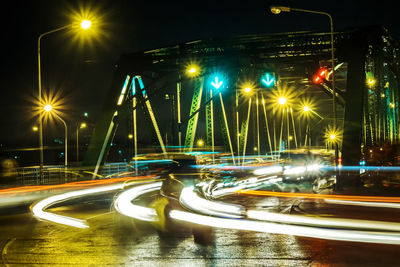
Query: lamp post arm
x=311, y=11
x=38, y=53
x=54, y=30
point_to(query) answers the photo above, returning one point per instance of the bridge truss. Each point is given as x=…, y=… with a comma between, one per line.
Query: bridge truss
x=368, y=112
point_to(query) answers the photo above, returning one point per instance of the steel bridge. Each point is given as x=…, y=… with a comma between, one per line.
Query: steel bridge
x=153, y=92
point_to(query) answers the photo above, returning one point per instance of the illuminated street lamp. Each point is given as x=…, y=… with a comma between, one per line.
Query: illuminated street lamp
x=48, y=108
x=279, y=9
x=200, y=143
x=193, y=70
x=371, y=82
x=85, y=24
x=307, y=110
x=282, y=100
x=332, y=136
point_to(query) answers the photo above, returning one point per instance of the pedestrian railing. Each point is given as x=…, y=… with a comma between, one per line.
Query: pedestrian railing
x=60, y=174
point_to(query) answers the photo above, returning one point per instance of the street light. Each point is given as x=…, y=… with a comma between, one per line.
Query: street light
x=85, y=24
x=282, y=100
x=48, y=108
x=192, y=70
x=200, y=143
x=279, y=9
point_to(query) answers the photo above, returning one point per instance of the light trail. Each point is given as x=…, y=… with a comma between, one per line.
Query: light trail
x=39, y=207
x=365, y=204
x=275, y=228
x=320, y=196
x=192, y=201
x=123, y=203
x=323, y=222
x=30, y=194
x=35, y=188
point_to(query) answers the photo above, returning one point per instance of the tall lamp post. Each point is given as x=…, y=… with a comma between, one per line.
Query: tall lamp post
x=279, y=9
x=48, y=108
x=85, y=24
x=82, y=125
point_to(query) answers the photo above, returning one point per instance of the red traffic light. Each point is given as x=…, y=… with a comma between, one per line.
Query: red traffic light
x=320, y=76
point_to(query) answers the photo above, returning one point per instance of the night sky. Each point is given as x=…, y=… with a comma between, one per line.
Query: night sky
x=81, y=72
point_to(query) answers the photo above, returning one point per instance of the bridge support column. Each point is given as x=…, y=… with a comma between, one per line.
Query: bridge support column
x=352, y=128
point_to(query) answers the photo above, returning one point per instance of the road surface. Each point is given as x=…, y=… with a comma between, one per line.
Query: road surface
x=116, y=240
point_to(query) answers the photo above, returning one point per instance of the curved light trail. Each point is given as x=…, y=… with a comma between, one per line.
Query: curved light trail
x=39, y=207
x=261, y=221
x=123, y=203
x=313, y=229
x=192, y=201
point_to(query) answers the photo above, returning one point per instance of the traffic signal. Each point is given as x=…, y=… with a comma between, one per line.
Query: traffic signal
x=320, y=76
x=268, y=79
x=218, y=80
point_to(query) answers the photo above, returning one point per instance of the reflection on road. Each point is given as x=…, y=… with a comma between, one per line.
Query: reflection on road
x=218, y=196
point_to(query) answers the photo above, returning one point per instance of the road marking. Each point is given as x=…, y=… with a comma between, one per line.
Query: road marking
x=5, y=248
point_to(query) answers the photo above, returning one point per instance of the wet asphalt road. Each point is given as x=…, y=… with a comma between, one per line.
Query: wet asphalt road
x=114, y=240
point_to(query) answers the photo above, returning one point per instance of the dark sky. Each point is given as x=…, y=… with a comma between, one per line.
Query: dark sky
x=81, y=73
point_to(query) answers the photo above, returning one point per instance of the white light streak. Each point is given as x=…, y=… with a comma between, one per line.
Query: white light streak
x=39, y=207
x=363, y=203
x=295, y=170
x=323, y=222
x=274, y=228
x=192, y=201
x=123, y=203
x=268, y=170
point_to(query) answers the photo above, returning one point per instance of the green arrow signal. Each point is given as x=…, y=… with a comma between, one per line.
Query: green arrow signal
x=217, y=84
x=268, y=81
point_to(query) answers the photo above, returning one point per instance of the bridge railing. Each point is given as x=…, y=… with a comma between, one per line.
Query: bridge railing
x=57, y=174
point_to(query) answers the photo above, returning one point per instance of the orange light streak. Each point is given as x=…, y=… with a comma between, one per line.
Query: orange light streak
x=35, y=188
